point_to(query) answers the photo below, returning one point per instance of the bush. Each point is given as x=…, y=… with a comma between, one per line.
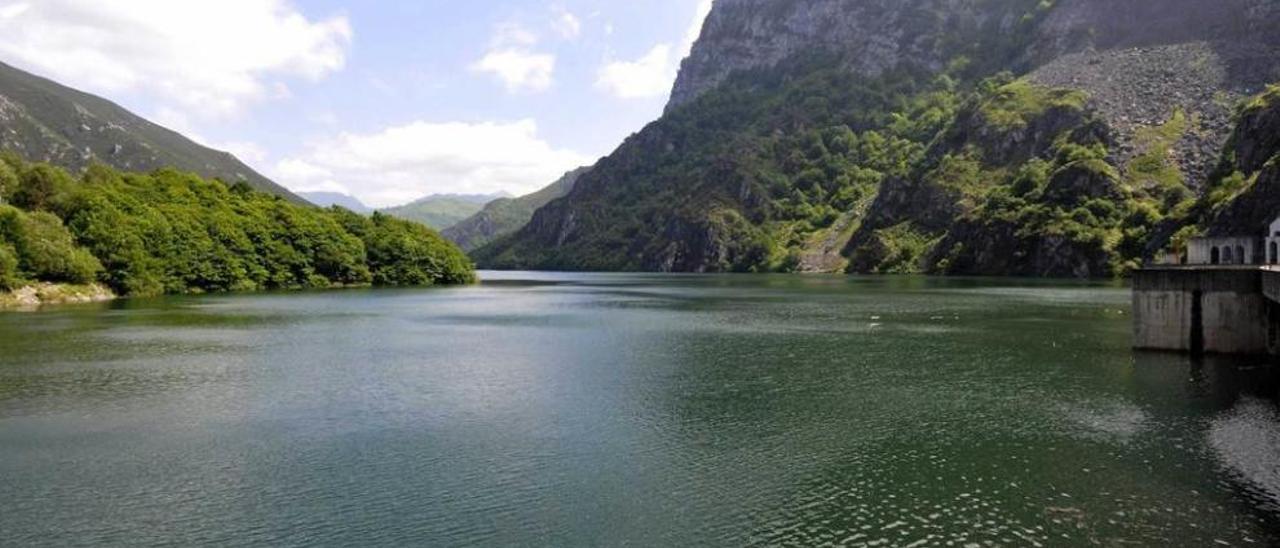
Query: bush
x=45, y=249
x=41, y=186
x=8, y=182
x=8, y=266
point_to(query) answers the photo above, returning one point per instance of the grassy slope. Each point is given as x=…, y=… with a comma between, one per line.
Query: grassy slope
x=46, y=121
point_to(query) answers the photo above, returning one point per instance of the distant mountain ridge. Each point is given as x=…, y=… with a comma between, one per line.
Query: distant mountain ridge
x=441, y=211
x=327, y=199
x=44, y=121
x=506, y=215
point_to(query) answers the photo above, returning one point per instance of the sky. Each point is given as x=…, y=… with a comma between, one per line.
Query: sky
x=386, y=100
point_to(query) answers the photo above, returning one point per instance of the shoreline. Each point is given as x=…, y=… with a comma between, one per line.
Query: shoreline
x=35, y=296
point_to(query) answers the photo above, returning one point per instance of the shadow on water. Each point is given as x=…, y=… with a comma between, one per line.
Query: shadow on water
x=1213, y=383
x=1239, y=399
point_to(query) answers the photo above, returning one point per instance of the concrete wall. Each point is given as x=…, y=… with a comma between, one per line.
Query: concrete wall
x=1162, y=320
x=1235, y=323
x=1233, y=310
x=1271, y=283
x=1200, y=250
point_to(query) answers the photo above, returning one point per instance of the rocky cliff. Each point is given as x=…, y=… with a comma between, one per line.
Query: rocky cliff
x=1246, y=196
x=866, y=37
x=1029, y=137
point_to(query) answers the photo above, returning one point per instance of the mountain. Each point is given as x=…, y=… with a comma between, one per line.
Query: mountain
x=506, y=215
x=1004, y=137
x=326, y=199
x=44, y=121
x=441, y=211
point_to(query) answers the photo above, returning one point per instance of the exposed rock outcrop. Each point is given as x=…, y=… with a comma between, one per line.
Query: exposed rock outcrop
x=34, y=296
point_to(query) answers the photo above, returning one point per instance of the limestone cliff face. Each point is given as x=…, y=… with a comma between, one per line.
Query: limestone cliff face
x=871, y=36
x=867, y=36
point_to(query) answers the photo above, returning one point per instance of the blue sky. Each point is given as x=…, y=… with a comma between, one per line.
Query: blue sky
x=387, y=100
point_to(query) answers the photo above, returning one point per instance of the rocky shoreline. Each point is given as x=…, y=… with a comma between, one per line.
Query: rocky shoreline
x=43, y=294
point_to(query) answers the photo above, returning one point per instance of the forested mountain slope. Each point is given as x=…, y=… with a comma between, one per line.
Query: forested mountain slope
x=506, y=215
x=1029, y=137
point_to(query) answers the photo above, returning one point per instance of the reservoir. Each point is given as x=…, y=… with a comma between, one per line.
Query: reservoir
x=630, y=409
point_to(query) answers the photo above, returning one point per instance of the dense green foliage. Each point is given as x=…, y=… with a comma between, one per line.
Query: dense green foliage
x=40, y=247
x=173, y=232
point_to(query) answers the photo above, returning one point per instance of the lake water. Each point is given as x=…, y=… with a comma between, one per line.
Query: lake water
x=642, y=410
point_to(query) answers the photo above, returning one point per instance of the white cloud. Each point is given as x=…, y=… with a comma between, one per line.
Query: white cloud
x=653, y=74
x=209, y=59
x=512, y=59
x=695, y=28
x=648, y=76
x=566, y=24
x=513, y=35
x=400, y=164
x=519, y=70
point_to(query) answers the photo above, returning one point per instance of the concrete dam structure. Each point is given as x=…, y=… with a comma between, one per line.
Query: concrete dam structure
x=1208, y=309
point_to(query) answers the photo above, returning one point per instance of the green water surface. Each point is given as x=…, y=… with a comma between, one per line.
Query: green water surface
x=636, y=410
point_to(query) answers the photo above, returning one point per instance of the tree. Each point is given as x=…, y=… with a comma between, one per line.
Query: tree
x=41, y=186
x=8, y=266
x=45, y=248
x=8, y=182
